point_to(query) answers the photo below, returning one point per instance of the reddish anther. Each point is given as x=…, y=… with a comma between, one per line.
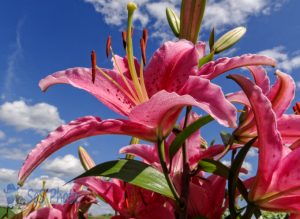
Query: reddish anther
x=124, y=38
x=296, y=108
x=143, y=50
x=108, y=44
x=145, y=35
x=94, y=65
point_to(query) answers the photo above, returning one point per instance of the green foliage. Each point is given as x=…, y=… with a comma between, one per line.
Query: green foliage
x=134, y=172
x=187, y=132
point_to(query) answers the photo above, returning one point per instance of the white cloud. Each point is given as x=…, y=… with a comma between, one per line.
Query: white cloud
x=298, y=85
x=12, y=60
x=13, y=153
x=285, y=61
x=2, y=135
x=246, y=165
x=67, y=166
x=236, y=12
x=40, y=117
x=58, y=190
x=218, y=13
x=8, y=175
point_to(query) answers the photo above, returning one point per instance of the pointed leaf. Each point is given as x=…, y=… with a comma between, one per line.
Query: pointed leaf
x=226, y=137
x=173, y=21
x=133, y=172
x=187, y=132
x=234, y=173
x=218, y=168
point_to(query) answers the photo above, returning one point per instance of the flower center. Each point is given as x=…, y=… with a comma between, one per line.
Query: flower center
x=136, y=93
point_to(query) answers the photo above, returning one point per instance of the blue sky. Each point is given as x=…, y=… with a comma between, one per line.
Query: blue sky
x=40, y=37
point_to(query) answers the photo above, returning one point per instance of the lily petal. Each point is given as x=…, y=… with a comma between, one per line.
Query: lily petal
x=147, y=152
x=282, y=93
x=260, y=77
x=121, y=64
x=103, y=89
x=78, y=129
x=215, y=68
x=109, y=191
x=171, y=65
x=47, y=213
x=211, y=99
x=269, y=139
x=288, y=125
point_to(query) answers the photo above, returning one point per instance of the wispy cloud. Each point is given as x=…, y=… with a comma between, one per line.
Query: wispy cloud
x=41, y=117
x=67, y=166
x=2, y=135
x=219, y=14
x=12, y=60
x=285, y=61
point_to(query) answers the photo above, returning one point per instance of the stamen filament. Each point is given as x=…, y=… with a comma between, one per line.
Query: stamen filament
x=133, y=94
x=129, y=51
x=117, y=85
x=142, y=81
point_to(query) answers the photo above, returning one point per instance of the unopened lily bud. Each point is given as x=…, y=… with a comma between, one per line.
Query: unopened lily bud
x=191, y=16
x=85, y=159
x=229, y=39
x=173, y=21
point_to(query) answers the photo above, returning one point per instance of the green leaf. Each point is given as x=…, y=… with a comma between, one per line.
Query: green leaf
x=212, y=39
x=229, y=39
x=226, y=138
x=218, y=168
x=205, y=59
x=173, y=21
x=133, y=172
x=234, y=173
x=187, y=132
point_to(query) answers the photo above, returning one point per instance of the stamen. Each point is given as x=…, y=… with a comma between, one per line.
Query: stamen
x=129, y=51
x=124, y=33
x=123, y=77
x=145, y=35
x=143, y=50
x=94, y=65
x=108, y=46
x=118, y=85
x=296, y=108
x=142, y=81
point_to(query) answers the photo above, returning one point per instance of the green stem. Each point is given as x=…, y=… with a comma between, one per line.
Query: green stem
x=131, y=7
x=185, y=180
x=249, y=212
x=161, y=154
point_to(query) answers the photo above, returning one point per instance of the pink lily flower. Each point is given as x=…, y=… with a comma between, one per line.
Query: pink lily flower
x=211, y=203
x=276, y=184
x=77, y=203
x=280, y=95
x=128, y=200
x=169, y=83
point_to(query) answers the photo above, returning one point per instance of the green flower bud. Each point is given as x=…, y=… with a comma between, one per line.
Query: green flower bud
x=229, y=39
